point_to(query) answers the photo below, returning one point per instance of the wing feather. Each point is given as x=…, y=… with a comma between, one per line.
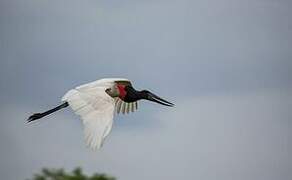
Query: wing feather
x=136, y=105
x=96, y=110
x=124, y=107
x=127, y=107
x=119, y=105
x=130, y=107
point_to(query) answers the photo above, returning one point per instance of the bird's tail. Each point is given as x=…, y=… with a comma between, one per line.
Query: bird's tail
x=37, y=116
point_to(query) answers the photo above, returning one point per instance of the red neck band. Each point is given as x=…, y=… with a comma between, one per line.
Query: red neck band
x=122, y=91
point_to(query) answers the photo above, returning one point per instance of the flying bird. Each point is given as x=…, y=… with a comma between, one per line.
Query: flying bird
x=96, y=103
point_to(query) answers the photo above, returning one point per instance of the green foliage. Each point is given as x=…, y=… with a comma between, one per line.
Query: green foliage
x=76, y=174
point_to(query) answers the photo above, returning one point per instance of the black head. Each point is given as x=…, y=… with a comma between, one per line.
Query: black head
x=145, y=94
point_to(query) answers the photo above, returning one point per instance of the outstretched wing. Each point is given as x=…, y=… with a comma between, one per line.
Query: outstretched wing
x=96, y=109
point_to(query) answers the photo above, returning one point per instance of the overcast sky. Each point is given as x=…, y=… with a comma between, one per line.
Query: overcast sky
x=227, y=65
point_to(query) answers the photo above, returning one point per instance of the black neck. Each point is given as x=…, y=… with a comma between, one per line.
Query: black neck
x=134, y=95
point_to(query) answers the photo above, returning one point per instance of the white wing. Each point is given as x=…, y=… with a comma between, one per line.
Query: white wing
x=96, y=109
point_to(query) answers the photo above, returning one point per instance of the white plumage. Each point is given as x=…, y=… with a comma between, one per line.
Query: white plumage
x=96, y=103
x=96, y=109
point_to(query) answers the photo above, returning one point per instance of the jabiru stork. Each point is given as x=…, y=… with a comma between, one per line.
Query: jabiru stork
x=96, y=103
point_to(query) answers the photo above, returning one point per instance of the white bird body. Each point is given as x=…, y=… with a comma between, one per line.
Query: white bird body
x=95, y=107
x=96, y=103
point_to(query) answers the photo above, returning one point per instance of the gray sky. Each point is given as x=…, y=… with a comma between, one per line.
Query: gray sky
x=226, y=65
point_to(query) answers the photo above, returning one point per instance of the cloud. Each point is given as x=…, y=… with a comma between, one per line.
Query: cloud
x=226, y=65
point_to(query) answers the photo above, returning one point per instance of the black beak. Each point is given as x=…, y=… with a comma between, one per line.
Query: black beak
x=157, y=99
